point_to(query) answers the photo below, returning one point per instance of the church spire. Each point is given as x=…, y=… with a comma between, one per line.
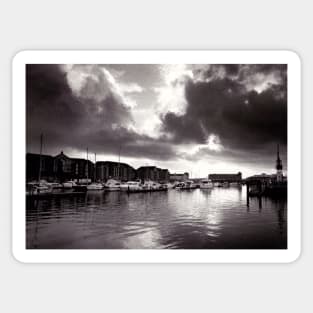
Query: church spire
x=279, y=165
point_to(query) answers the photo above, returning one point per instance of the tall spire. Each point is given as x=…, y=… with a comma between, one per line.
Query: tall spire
x=277, y=151
x=279, y=165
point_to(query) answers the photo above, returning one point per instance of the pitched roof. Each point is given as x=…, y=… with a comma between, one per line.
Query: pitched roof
x=225, y=176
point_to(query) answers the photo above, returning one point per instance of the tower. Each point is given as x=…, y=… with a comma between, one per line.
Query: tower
x=279, y=167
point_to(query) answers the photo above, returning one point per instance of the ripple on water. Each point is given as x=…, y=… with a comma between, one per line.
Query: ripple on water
x=198, y=219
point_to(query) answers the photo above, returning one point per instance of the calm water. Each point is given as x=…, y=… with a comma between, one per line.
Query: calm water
x=197, y=219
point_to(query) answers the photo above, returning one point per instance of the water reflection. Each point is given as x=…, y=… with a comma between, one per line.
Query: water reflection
x=197, y=219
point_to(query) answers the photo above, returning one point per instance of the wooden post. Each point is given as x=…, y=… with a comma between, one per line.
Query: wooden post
x=247, y=184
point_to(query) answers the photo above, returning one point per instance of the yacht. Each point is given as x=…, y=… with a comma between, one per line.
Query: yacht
x=69, y=184
x=163, y=187
x=112, y=185
x=35, y=188
x=179, y=186
x=206, y=184
x=150, y=185
x=55, y=186
x=95, y=186
x=131, y=185
x=190, y=184
x=187, y=185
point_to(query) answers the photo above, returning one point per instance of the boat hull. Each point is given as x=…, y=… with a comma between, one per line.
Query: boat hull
x=112, y=188
x=95, y=187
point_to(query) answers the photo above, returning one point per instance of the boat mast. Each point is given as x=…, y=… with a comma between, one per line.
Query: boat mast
x=94, y=172
x=87, y=166
x=40, y=161
x=119, y=163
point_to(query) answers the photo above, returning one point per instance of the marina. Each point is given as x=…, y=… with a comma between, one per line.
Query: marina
x=214, y=218
x=180, y=184
x=149, y=210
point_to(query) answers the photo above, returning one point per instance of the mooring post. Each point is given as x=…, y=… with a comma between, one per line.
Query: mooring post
x=247, y=184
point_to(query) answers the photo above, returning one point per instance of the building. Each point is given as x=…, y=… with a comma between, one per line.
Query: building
x=268, y=185
x=278, y=177
x=114, y=170
x=59, y=168
x=229, y=178
x=67, y=168
x=80, y=171
x=164, y=175
x=153, y=173
x=39, y=167
x=145, y=173
x=264, y=178
x=179, y=177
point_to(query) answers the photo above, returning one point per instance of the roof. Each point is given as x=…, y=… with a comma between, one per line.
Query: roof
x=113, y=163
x=80, y=160
x=146, y=167
x=225, y=176
x=261, y=176
x=151, y=168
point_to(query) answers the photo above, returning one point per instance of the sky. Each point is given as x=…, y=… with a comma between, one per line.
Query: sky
x=196, y=118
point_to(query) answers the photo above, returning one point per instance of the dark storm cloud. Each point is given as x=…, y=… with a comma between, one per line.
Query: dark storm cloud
x=245, y=106
x=227, y=106
x=262, y=156
x=77, y=121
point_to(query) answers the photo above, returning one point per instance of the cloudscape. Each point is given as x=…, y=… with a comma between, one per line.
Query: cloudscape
x=199, y=118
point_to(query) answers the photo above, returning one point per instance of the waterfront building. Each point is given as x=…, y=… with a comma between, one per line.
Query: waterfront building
x=153, y=173
x=276, y=178
x=226, y=178
x=62, y=168
x=164, y=175
x=269, y=185
x=263, y=178
x=33, y=167
x=114, y=170
x=179, y=177
x=58, y=168
x=67, y=168
x=80, y=172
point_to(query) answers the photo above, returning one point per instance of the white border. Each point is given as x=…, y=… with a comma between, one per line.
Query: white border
x=157, y=256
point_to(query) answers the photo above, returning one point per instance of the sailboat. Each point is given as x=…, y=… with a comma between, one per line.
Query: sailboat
x=94, y=185
x=83, y=187
x=115, y=184
x=40, y=187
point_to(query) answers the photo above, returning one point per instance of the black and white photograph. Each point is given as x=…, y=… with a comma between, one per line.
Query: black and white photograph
x=156, y=156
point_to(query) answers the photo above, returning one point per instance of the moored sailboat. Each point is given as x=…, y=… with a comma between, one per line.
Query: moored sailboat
x=41, y=186
x=94, y=185
x=112, y=185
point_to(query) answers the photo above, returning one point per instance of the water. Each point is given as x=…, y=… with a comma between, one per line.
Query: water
x=196, y=219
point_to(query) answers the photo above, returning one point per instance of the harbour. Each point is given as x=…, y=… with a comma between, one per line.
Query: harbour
x=216, y=218
x=185, y=182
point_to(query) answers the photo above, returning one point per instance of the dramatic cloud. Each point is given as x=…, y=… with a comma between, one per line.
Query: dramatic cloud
x=83, y=106
x=229, y=116
x=223, y=103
